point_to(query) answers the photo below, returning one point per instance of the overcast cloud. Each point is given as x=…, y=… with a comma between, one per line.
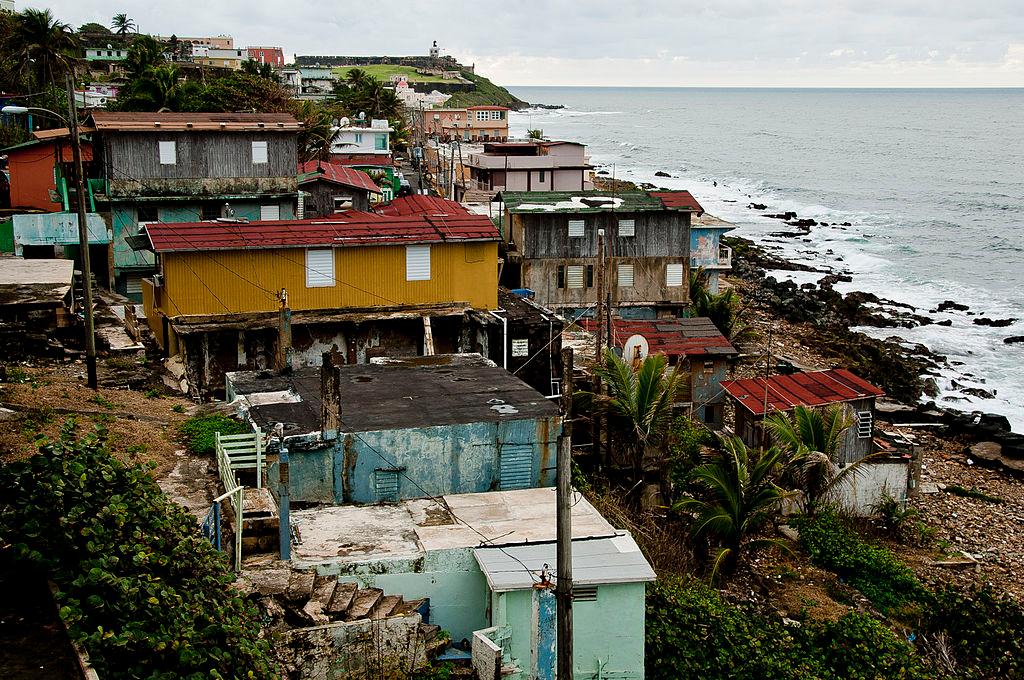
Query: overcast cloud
x=602, y=42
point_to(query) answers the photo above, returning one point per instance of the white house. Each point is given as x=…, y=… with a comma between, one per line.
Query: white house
x=358, y=139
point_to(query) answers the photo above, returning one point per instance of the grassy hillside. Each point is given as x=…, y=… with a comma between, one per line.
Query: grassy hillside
x=383, y=72
x=486, y=93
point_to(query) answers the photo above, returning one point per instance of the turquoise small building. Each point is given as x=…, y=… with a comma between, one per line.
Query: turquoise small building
x=706, y=249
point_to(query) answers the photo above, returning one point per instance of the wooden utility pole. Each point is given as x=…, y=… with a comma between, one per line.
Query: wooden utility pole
x=563, y=491
x=83, y=235
x=601, y=311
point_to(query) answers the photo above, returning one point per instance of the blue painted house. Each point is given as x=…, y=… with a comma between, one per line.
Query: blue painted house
x=706, y=249
x=403, y=429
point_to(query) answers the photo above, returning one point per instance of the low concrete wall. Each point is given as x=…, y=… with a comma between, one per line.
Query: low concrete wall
x=370, y=648
x=862, y=492
x=486, y=655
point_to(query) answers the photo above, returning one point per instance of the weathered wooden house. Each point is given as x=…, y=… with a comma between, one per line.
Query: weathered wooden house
x=552, y=248
x=400, y=429
x=360, y=285
x=707, y=251
x=186, y=167
x=695, y=343
x=329, y=188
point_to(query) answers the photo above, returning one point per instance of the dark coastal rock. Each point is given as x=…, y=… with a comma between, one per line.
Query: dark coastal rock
x=550, y=107
x=807, y=223
x=832, y=279
x=1013, y=339
x=846, y=224
x=602, y=172
x=782, y=216
x=947, y=323
x=979, y=393
x=995, y=323
x=757, y=206
x=947, y=305
x=662, y=173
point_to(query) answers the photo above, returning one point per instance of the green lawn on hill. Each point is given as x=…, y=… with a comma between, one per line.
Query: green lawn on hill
x=383, y=73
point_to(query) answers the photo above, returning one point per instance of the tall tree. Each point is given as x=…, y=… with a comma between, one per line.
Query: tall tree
x=43, y=47
x=122, y=25
x=357, y=78
x=145, y=53
x=317, y=131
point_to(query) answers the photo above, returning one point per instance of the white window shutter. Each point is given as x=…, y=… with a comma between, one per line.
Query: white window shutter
x=417, y=263
x=168, y=153
x=625, y=276
x=864, y=424
x=673, y=275
x=319, y=268
x=574, y=276
x=627, y=227
x=577, y=227
x=270, y=212
x=259, y=152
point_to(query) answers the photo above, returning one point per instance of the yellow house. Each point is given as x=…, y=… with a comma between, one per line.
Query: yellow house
x=235, y=295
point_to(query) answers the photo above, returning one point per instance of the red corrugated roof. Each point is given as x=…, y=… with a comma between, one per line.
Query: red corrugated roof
x=678, y=199
x=784, y=392
x=184, y=122
x=362, y=159
x=487, y=107
x=672, y=337
x=418, y=204
x=339, y=174
x=352, y=228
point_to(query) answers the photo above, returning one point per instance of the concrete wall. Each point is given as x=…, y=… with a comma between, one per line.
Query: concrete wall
x=861, y=492
x=441, y=460
x=608, y=633
x=706, y=387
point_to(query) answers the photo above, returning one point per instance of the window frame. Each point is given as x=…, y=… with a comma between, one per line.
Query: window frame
x=260, y=149
x=581, y=226
x=865, y=424
x=167, y=149
x=573, y=270
x=311, y=273
x=668, y=275
x=627, y=228
x=411, y=252
x=621, y=269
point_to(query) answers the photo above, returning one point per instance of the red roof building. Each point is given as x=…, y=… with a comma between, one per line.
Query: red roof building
x=418, y=204
x=785, y=392
x=338, y=174
x=680, y=200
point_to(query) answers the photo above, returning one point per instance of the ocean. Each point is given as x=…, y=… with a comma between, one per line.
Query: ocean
x=932, y=182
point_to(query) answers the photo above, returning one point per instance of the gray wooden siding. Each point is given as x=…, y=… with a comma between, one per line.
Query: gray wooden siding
x=200, y=155
x=658, y=234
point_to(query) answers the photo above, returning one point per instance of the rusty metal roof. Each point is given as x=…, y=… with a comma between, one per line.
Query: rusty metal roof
x=813, y=388
x=352, y=228
x=680, y=200
x=692, y=337
x=312, y=171
x=123, y=121
x=418, y=204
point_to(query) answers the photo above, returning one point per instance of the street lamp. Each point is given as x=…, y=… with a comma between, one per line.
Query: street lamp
x=83, y=231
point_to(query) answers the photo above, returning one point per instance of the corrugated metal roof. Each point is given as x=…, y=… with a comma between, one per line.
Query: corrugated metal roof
x=486, y=107
x=579, y=201
x=61, y=132
x=696, y=336
x=418, y=204
x=679, y=200
x=123, y=121
x=353, y=228
x=311, y=171
x=597, y=561
x=814, y=388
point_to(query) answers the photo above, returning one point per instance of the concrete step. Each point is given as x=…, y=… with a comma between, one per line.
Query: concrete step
x=341, y=599
x=363, y=603
x=408, y=607
x=386, y=606
x=300, y=586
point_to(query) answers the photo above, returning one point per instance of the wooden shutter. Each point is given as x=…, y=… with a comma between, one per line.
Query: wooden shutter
x=270, y=212
x=574, y=276
x=627, y=227
x=259, y=152
x=625, y=276
x=864, y=424
x=577, y=227
x=319, y=268
x=673, y=275
x=516, y=466
x=417, y=263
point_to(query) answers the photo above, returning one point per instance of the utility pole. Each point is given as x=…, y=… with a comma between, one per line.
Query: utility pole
x=83, y=236
x=563, y=491
x=601, y=311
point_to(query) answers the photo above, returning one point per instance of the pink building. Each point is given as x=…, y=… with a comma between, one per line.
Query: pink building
x=267, y=55
x=471, y=124
x=529, y=166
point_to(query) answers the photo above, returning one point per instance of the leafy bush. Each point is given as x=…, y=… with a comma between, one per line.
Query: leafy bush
x=138, y=586
x=984, y=632
x=693, y=633
x=198, y=432
x=873, y=570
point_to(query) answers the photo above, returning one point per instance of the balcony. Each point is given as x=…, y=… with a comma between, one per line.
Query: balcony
x=724, y=260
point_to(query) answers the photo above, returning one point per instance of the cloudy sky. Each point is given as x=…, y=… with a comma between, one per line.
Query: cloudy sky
x=872, y=43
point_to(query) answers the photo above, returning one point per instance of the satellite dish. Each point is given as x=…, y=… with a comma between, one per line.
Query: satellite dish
x=636, y=348
x=343, y=122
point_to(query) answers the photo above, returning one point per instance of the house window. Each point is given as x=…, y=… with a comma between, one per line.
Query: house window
x=319, y=268
x=574, y=276
x=168, y=153
x=673, y=275
x=147, y=213
x=576, y=227
x=481, y=115
x=497, y=115
x=209, y=211
x=270, y=212
x=625, y=276
x=584, y=594
x=359, y=137
x=417, y=263
x=342, y=203
x=542, y=175
x=627, y=227
x=864, y=424
x=380, y=142
x=560, y=277
x=590, y=276
x=259, y=153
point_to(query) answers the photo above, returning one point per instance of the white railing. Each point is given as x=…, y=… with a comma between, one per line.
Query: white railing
x=238, y=452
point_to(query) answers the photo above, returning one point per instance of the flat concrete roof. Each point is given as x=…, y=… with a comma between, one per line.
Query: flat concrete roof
x=394, y=394
x=34, y=282
x=348, y=534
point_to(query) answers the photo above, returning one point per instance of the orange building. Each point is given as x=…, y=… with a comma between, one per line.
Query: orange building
x=39, y=166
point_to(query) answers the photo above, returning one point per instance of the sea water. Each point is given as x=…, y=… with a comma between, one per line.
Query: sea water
x=931, y=181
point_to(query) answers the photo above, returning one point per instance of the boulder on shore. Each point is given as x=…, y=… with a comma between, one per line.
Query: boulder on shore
x=1013, y=339
x=662, y=173
x=946, y=305
x=995, y=323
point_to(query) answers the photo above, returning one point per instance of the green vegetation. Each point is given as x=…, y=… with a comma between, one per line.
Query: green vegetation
x=973, y=493
x=871, y=569
x=198, y=432
x=979, y=634
x=693, y=633
x=486, y=93
x=722, y=308
x=383, y=73
x=100, y=400
x=138, y=587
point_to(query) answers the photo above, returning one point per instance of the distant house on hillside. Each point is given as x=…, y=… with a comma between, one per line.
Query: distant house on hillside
x=529, y=166
x=329, y=189
x=365, y=144
x=471, y=124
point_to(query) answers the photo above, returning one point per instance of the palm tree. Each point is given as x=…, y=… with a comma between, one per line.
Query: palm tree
x=535, y=134
x=722, y=308
x=122, y=25
x=43, y=47
x=640, y=401
x=357, y=78
x=145, y=52
x=317, y=132
x=737, y=496
x=810, y=440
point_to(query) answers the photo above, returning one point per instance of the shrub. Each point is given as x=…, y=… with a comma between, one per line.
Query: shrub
x=871, y=569
x=198, y=432
x=859, y=646
x=138, y=586
x=983, y=630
